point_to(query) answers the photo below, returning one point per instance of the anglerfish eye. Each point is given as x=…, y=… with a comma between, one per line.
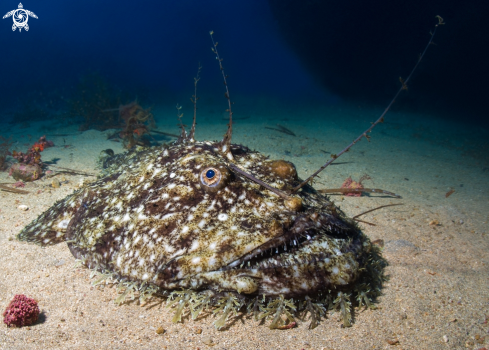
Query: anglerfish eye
x=210, y=177
x=214, y=177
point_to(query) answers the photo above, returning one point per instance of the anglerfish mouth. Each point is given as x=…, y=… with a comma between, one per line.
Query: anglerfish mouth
x=317, y=251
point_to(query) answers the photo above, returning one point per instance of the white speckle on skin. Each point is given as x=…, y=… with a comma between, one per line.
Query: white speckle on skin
x=195, y=260
x=195, y=245
x=335, y=270
x=222, y=217
x=167, y=216
x=63, y=224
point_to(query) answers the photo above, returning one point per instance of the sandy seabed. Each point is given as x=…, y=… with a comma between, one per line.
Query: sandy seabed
x=437, y=295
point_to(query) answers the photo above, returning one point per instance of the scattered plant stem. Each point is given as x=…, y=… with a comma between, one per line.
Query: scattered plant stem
x=5, y=188
x=371, y=210
x=281, y=129
x=358, y=190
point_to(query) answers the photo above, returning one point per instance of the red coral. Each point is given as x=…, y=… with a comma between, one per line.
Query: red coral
x=349, y=183
x=18, y=184
x=43, y=143
x=38, y=147
x=33, y=155
x=22, y=311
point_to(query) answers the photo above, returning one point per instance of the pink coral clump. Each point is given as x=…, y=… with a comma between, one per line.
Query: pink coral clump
x=349, y=183
x=18, y=184
x=22, y=311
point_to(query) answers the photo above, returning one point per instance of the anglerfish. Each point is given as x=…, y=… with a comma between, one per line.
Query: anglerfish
x=215, y=225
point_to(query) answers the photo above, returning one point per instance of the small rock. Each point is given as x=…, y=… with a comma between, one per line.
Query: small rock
x=208, y=341
x=393, y=341
x=55, y=183
x=59, y=263
x=23, y=207
x=198, y=331
x=445, y=338
x=160, y=330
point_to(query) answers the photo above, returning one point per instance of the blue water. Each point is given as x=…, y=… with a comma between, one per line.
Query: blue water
x=286, y=61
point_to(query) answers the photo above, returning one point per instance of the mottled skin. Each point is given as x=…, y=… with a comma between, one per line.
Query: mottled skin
x=151, y=217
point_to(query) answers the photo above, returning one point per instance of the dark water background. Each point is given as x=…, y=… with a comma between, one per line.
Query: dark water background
x=299, y=52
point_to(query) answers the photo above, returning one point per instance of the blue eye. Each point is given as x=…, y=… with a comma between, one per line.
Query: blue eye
x=210, y=174
x=210, y=177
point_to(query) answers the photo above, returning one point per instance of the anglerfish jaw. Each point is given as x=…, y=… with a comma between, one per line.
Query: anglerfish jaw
x=294, y=264
x=317, y=265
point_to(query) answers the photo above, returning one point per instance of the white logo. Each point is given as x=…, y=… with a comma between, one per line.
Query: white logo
x=20, y=17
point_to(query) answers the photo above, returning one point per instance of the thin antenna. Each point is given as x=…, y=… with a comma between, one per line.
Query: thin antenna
x=226, y=141
x=194, y=99
x=183, y=133
x=381, y=118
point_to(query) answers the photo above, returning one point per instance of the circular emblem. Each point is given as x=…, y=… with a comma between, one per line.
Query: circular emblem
x=20, y=17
